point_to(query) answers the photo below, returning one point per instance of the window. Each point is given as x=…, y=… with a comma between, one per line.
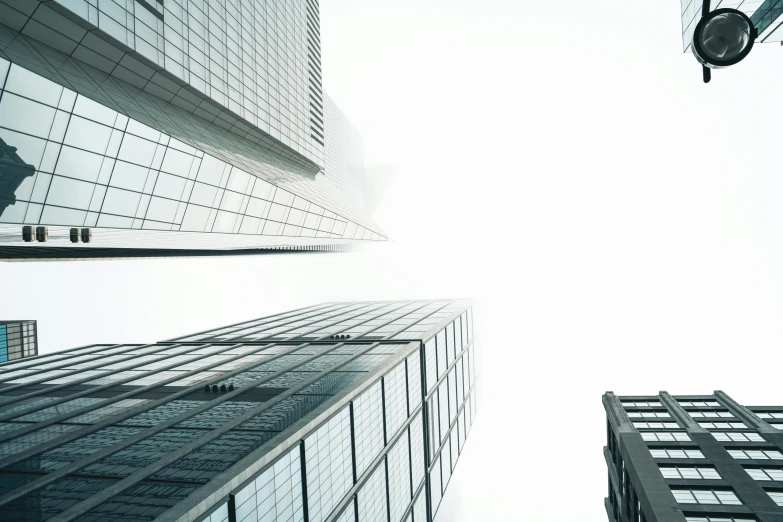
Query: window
x=666, y=436
x=699, y=404
x=722, y=425
x=641, y=404
x=706, y=496
x=771, y=415
x=721, y=414
x=656, y=425
x=690, y=473
x=755, y=454
x=720, y=518
x=765, y=473
x=738, y=437
x=676, y=454
x=777, y=496
x=656, y=414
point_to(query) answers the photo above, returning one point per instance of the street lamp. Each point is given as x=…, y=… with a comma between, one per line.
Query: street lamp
x=722, y=38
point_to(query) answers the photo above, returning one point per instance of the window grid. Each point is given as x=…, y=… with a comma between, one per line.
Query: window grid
x=656, y=425
x=676, y=454
x=738, y=437
x=755, y=454
x=328, y=465
x=708, y=414
x=681, y=472
x=396, y=399
x=649, y=414
x=398, y=461
x=371, y=497
x=723, y=425
x=770, y=415
x=368, y=426
x=719, y=518
x=327, y=452
x=130, y=176
x=766, y=473
x=666, y=436
x=706, y=496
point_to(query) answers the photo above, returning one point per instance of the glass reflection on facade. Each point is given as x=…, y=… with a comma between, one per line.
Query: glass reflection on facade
x=338, y=412
x=692, y=458
x=196, y=127
x=18, y=339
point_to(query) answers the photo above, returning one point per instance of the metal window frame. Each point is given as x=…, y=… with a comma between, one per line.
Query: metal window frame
x=252, y=465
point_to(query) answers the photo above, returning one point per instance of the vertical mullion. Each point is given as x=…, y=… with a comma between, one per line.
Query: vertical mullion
x=425, y=427
x=232, y=509
x=388, y=503
x=305, y=513
x=407, y=391
x=385, y=442
x=410, y=447
x=410, y=460
x=383, y=409
x=353, y=442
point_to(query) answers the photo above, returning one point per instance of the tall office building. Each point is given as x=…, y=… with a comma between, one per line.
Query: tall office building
x=690, y=458
x=18, y=339
x=334, y=413
x=130, y=128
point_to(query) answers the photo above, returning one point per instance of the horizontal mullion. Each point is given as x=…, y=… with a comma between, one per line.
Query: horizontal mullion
x=16, y=398
x=293, y=320
x=450, y=319
x=86, y=461
x=447, y=370
x=86, y=505
x=271, y=318
x=61, y=366
x=336, y=314
x=412, y=503
x=117, y=398
x=37, y=407
x=408, y=326
x=451, y=428
x=220, y=484
x=7, y=365
x=67, y=437
x=377, y=461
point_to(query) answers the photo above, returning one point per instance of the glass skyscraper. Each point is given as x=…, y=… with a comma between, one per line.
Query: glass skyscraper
x=18, y=339
x=334, y=413
x=687, y=458
x=130, y=128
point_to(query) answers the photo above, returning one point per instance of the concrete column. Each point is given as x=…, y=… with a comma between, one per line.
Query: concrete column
x=746, y=488
x=653, y=493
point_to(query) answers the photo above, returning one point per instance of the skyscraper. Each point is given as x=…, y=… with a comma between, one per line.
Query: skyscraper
x=198, y=127
x=702, y=458
x=18, y=339
x=337, y=412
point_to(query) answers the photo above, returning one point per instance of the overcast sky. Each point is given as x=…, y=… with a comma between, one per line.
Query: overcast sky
x=618, y=222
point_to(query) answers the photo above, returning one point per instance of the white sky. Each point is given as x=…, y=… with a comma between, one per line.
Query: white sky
x=561, y=162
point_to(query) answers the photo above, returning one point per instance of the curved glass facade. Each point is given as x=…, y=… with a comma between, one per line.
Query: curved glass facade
x=87, y=144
